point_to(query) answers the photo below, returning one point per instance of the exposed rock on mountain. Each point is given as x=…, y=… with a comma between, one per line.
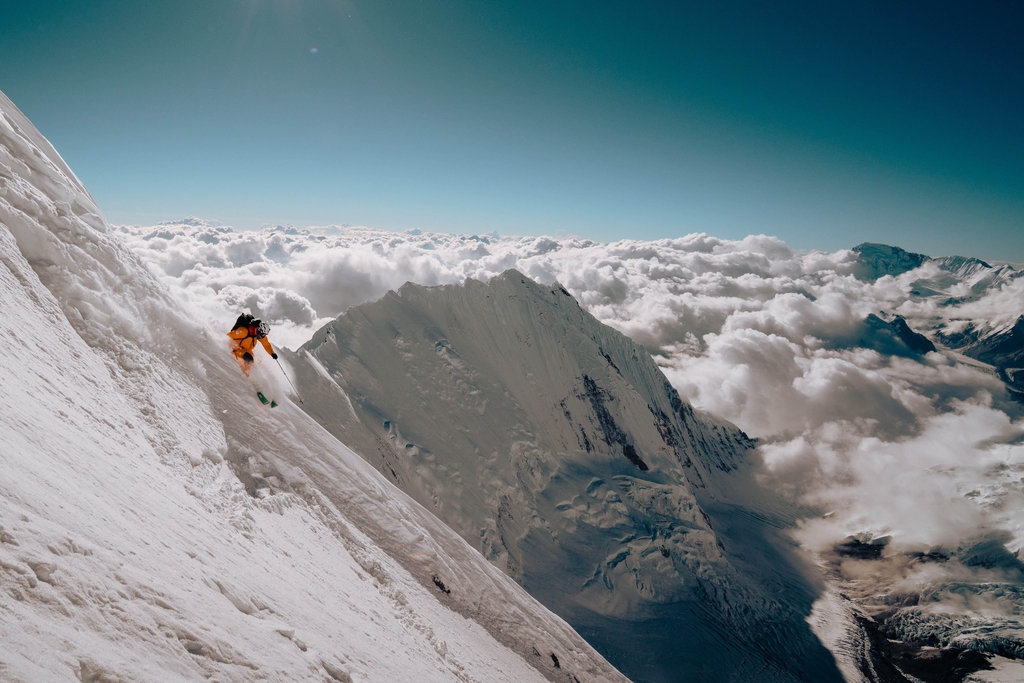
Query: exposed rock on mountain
x=1001, y=347
x=894, y=337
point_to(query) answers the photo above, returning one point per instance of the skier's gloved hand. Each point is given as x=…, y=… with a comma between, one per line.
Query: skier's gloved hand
x=274, y=356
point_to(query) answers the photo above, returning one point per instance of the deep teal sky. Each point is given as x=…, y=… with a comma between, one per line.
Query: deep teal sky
x=826, y=124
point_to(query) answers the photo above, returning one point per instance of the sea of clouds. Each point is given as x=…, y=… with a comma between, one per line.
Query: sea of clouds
x=925, y=449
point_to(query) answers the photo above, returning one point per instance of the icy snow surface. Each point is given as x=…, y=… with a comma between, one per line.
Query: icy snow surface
x=158, y=524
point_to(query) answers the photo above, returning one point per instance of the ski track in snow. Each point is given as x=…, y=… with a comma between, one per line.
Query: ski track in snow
x=158, y=524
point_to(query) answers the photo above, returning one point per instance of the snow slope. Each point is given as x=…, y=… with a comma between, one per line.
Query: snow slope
x=555, y=446
x=157, y=524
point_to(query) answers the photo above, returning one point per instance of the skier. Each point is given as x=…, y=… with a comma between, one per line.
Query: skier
x=246, y=332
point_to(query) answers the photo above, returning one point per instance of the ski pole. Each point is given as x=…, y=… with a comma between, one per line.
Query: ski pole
x=289, y=381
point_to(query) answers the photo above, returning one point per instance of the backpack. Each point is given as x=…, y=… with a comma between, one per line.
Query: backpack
x=244, y=320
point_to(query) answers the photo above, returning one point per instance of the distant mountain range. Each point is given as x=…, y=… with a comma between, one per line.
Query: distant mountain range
x=952, y=282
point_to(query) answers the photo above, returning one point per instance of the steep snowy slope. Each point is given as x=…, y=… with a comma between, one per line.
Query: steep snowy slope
x=157, y=524
x=555, y=446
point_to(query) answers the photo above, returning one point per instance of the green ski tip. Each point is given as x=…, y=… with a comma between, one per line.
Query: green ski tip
x=273, y=404
x=263, y=399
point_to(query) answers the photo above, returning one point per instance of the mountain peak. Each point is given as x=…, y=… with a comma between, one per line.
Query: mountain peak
x=877, y=260
x=554, y=445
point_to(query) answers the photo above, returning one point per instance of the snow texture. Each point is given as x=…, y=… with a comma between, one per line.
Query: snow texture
x=158, y=524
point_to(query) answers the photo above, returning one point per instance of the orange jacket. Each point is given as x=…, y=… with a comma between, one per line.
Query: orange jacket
x=245, y=340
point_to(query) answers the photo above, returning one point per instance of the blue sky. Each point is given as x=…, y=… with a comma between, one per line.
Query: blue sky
x=826, y=124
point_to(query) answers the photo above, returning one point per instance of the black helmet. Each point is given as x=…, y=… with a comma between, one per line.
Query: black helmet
x=262, y=329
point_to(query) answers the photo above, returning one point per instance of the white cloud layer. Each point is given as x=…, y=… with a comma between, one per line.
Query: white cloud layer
x=923, y=448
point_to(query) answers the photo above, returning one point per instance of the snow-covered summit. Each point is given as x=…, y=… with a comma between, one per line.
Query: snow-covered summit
x=157, y=524
x=555, y=446
x=877, y=260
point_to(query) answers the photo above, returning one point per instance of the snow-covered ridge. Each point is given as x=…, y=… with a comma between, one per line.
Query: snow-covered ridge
x=157, y=524
x=556, y=447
